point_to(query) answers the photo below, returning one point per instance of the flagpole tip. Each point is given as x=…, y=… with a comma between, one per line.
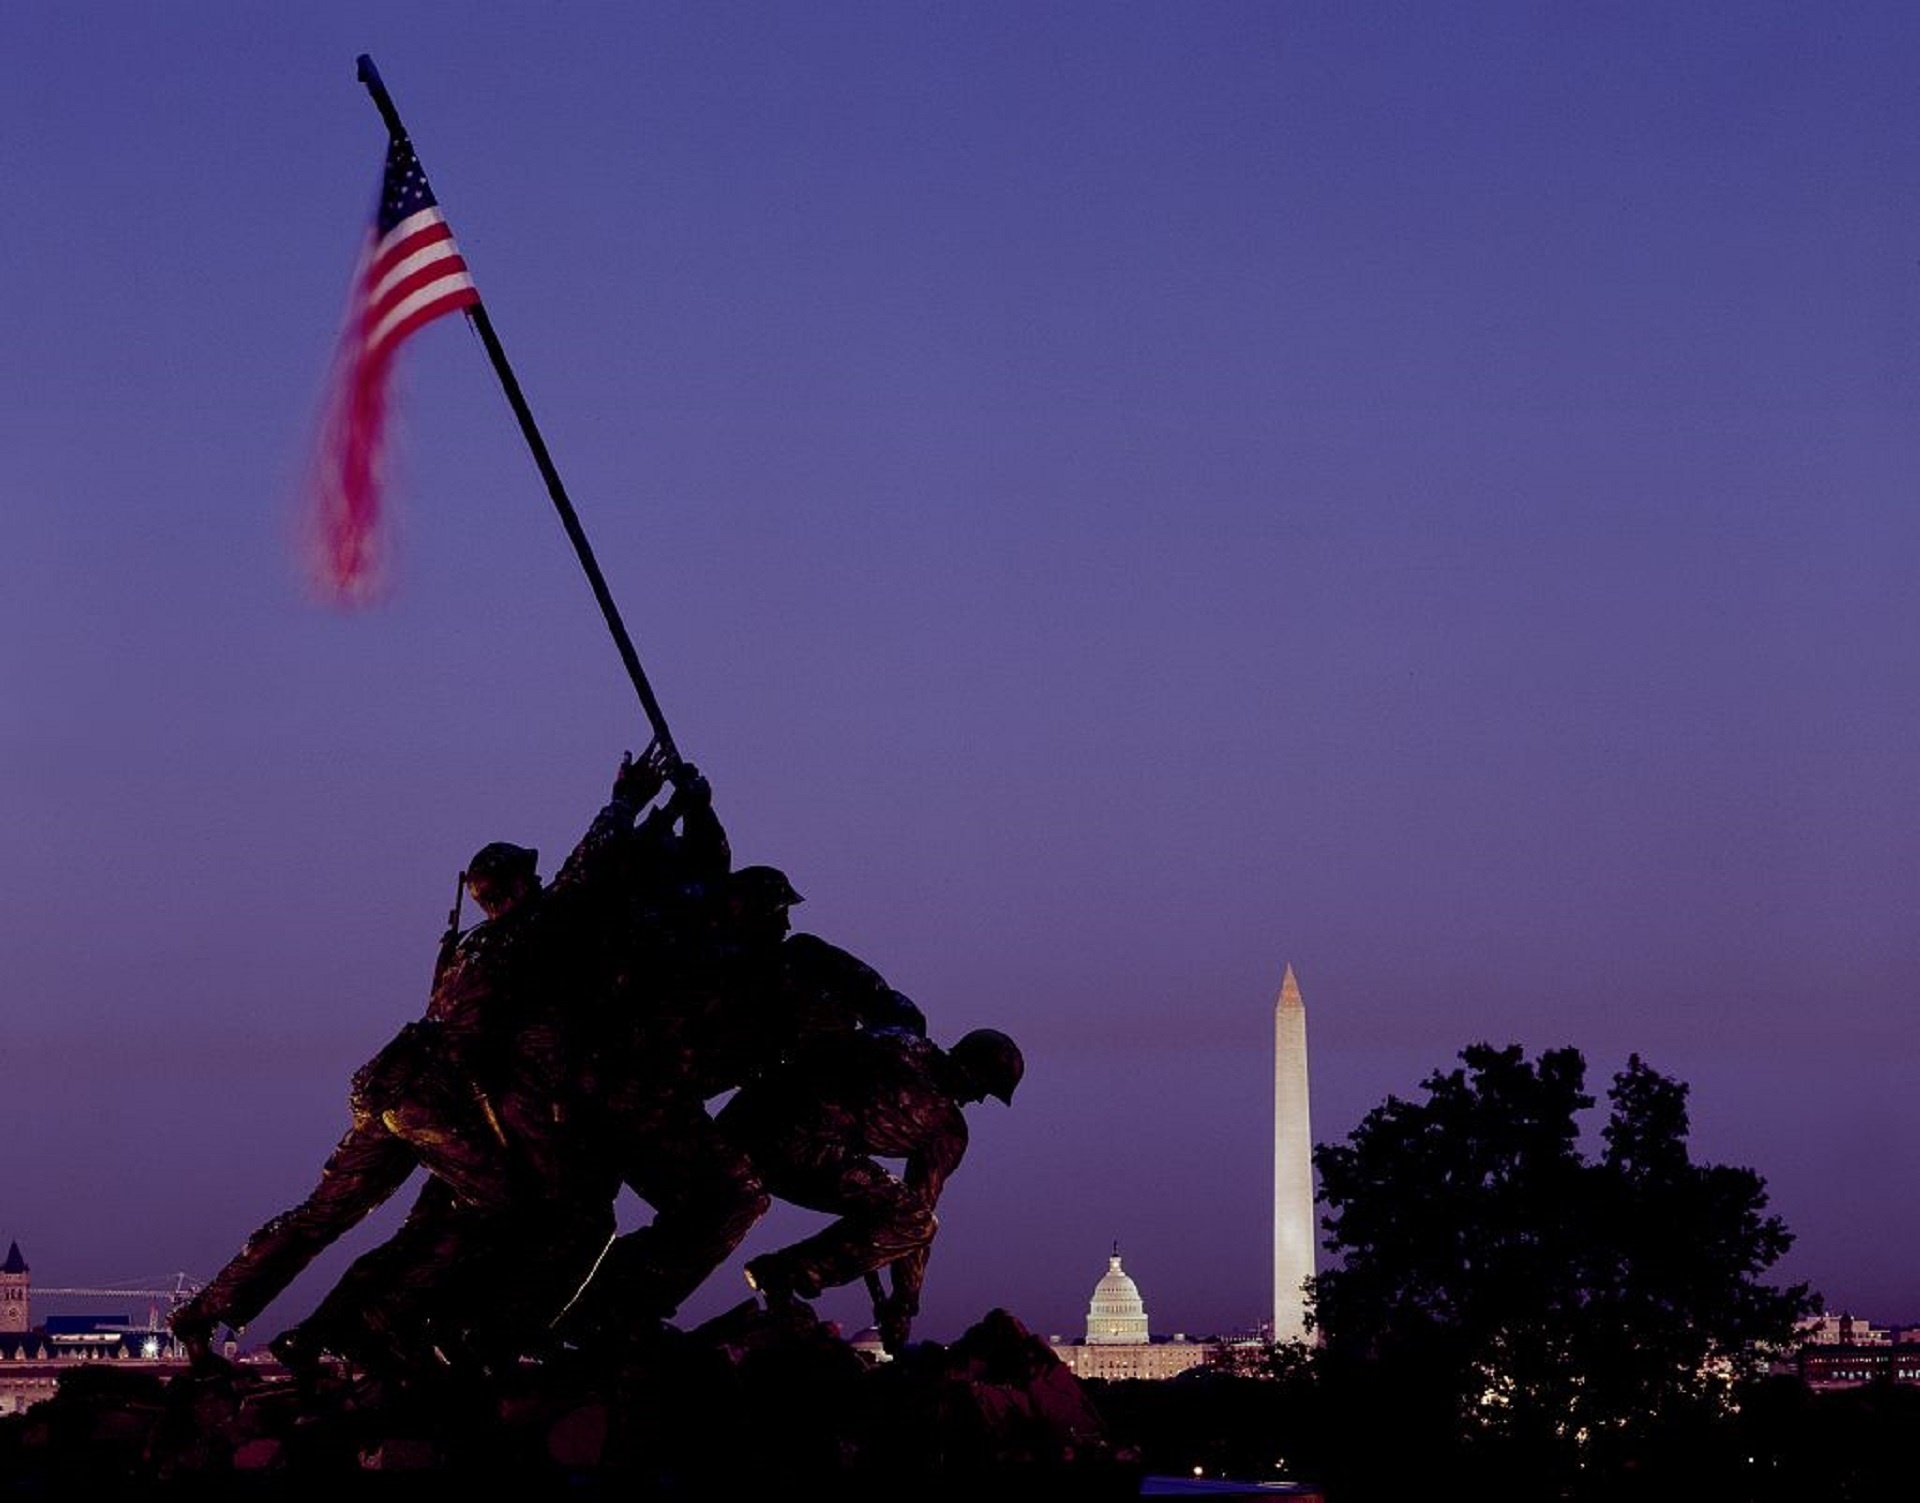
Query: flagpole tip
x=376, y=86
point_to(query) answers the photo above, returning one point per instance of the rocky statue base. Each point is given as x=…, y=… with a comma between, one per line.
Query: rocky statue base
x=751, y=1401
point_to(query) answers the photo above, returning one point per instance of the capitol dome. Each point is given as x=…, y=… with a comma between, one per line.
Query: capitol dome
x=1117, y=1316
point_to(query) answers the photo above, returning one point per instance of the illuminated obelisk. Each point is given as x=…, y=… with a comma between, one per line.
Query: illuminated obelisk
x=1293, y=1238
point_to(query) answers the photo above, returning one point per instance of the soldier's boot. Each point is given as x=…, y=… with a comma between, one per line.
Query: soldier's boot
x=303, y=1355
x=193, y=1328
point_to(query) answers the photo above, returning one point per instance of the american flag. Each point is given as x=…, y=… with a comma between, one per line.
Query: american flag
x=410, y=274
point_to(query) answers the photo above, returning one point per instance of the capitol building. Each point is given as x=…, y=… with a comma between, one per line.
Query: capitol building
x=1118, y=1344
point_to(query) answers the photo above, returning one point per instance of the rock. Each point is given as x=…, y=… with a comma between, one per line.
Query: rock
x=749, y=1400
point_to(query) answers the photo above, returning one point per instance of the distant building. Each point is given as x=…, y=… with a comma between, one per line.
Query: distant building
x=1842, y=1330
x=15, y=1278
x=1841, y=1352
x=33, y=1357
x=84, y=1338
x=1118, y=1344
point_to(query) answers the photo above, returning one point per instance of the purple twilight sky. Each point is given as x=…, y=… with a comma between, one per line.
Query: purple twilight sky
x=1118, y=498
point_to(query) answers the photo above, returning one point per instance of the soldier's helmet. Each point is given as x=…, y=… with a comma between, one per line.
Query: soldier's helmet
x=499, y=864
x=992, y=1060
x=762, y=887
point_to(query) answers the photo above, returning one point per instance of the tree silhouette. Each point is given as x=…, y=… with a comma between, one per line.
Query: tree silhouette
x=1541, y=1318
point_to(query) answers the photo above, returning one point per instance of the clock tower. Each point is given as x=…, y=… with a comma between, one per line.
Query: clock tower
x=14, y=1279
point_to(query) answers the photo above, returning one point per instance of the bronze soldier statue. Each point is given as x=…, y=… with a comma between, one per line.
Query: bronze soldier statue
x=478, y=1092
x=816, y=1126
x=572, y=1043
x=729, y=995
x=652, y=1060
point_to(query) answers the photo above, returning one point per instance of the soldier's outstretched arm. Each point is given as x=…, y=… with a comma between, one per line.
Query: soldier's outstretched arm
x=927, y=1170
x=706, y=855
x=597, y=856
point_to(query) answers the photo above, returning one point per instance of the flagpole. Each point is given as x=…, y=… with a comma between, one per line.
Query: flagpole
x=370, y=76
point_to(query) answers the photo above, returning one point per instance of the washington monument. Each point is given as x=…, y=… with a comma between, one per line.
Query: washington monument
x=1292, y=1165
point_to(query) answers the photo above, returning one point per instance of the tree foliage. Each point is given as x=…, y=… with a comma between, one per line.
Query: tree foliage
x=1516, y=1302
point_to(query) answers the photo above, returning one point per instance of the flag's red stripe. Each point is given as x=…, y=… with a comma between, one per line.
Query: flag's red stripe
x=459, y=297
x=452, y=271
x=390, y=272
x=379, y=306
x=451, y=265
x=395, y=249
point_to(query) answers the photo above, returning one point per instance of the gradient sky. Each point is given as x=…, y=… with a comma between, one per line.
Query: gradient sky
x=1118, y=498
